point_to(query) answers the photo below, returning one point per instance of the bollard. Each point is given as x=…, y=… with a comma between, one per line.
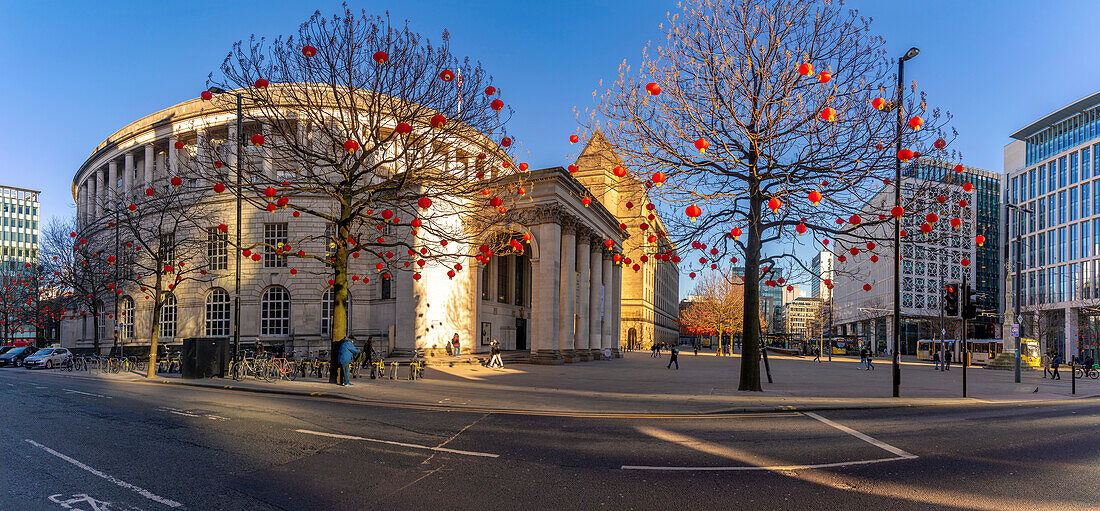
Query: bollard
x=1072, y=377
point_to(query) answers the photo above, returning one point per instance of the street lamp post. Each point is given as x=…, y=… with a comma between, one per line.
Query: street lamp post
x=115, y=326
x=1019, y=288
x=897, y=225
x=237, y=263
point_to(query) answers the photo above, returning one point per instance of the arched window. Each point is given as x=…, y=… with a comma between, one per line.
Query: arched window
x=168, y=318
x=126, y=313
x=328, y=306
x=275, y=312
x=216, y=314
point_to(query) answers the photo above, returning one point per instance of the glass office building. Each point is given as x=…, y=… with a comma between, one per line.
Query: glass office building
x=18, y=244
x=987, y=208
x=1051, y=169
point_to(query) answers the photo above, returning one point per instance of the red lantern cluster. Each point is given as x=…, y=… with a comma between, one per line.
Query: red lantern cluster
x=653, y=89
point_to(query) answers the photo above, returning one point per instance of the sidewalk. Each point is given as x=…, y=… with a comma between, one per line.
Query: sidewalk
x=639, y=384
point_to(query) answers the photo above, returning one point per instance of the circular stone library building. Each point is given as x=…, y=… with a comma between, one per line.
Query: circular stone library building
x=560, y=300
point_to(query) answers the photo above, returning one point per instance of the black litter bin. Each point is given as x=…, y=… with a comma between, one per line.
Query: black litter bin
x=205, y=357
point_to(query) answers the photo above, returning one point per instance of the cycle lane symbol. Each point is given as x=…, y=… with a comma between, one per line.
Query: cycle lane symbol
x=87, y=503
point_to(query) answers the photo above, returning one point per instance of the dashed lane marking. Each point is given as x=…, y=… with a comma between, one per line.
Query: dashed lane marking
x=402, y=444
x=71, y=391
x=778, y=468
x=136, y=489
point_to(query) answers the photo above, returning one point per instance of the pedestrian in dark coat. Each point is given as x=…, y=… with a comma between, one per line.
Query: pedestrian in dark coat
x=1055, y=361
x=936, y=359
x=674, y=351
x=947, y=360
x=344, y=357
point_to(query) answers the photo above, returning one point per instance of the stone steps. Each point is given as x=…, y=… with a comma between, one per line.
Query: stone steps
x=1007, y=362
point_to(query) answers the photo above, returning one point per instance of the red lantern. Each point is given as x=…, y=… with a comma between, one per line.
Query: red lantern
x=270, y=192
x=693, y=212
x=736, y=232
x=824, y=77
x=490, y=90
x=149, y=192
x=853, y=251
x=176, y=181
x=702, y=145
x=256, y=257
x=297, y=214
x=940, y=143
x=801, y=228
x=941, y=199
x=282, y=202
x=447, y=75
x=854, y=219
x=497, y=105
x=905, y=155
x=132, y=207
x=381, y=57
x=878, y=104
x=965, y=262
x=691, y=275
x=867, y=287
x=658, y=178
x=774, y=204
x=438, y=120
x=309, y=51
x=219, y=188
x=874, y=258
x=968, y=187
x=956, y=222
x=979, y=239
x=223, y=227
x=496, y=202
x=257, y=139
x=403, y=128
x=261, y=83
x=293, y=271
x=271, y=208
x=619, y=171
x=573, y=139
x=608, y=243
x=806, y=69
x=963, y=203
x=351, y=146
x=958, y=168
x=424, y=203
x=387, y=214
x=926, y=228
x=652, y=88
x=206, y=95
x=815, y=197
x=931, y=218
x=586, y=201
x=870, y=245
x=828, y=114
x=915, y=122
x=178, y=144
x=506, y=142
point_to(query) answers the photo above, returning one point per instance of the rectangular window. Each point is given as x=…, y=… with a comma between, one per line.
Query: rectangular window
x=217, y=253
x=168, y=250
x=1073, y=167
x=485, y=270
x=502, y=279
x=1042, y=179
x=1061, y=245
x=1053, y=249
x=1072, y=242
x=1061, y=172
x=1015, y=189
x=386, y=288
x=1085, y=203
x=1085, y=163
x=520, y=265
x=1086, y=229
x=1031, y=184
x=274, y=238
x=1072, y=204
x=1031, y=251
x=1061, y=207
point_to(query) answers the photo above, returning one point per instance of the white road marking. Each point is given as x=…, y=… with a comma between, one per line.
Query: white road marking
x=877, y=443
x=770, y=468
x=192, y=414
x=402, y=444
x=71, y=391
x=140, y=491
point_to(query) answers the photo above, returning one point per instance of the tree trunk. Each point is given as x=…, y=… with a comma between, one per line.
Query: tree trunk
x=750, y=342
x=339, y=300
x=154, y=336
x=95, y=331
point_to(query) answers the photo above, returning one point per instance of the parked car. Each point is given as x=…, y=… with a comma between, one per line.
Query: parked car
x=48, y=358
x=5, y=349
x=15, y=357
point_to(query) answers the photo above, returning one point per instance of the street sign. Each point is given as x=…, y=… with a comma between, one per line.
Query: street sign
x=943, y=331
x=1015, y=330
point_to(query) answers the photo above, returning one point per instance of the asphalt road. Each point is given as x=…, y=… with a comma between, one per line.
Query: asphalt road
x=96, y=445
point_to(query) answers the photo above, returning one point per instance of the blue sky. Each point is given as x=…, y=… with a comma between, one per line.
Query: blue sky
x=78, y=71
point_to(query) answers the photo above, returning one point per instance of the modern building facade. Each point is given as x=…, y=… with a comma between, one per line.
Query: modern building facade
x=19, y=225
x=558, y=299
x=823, y=266
x=1051, y=169
x=929, y=261
x=801, y=317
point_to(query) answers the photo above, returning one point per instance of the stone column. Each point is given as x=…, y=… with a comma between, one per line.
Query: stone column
x=567, y=296
x=93, y=196
x=111, y=190
x=405, y=313
x=172, y=166
x=150, y=156
x=617, y=308
x=584, y=254
x=607, y=275
x=545, y=307
x=231, y=157
x=128, y=175
x=268, y=163
x=81, y=204
x=595, y=293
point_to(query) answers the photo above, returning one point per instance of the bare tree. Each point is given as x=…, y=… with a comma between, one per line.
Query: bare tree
x=80, y=269
x=766, y=120
x=163, y=244
x=18, y=296
x=369, y=127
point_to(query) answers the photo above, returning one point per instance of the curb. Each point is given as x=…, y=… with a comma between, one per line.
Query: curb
x=623, y=414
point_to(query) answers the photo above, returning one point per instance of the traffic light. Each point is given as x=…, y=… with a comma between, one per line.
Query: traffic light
x=969, y=311
x=951, y=300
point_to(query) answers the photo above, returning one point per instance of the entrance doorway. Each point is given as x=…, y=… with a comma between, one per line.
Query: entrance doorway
x=521, y=334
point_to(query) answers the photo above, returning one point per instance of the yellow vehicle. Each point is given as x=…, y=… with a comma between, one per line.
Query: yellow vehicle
x=1029, y=352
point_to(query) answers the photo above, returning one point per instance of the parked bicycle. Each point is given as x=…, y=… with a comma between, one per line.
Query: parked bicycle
x=1091, y=372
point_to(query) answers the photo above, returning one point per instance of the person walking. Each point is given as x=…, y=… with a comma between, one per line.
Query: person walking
x=1055, y=361
x=344, y=357
x=936, y=360
x=695, y=345
x=1046, y=364
x=494, y=351
x=673, y=351
x=869, y=366
x=947, y=360
x=456, y=347
x=862, y=358
x=817, y=354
